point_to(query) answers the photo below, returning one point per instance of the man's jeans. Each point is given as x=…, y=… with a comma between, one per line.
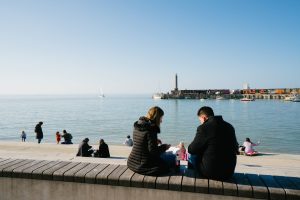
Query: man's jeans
x=193, y=161
x=169, y=158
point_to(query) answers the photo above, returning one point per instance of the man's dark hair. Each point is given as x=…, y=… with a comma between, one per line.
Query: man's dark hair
x=205, y=110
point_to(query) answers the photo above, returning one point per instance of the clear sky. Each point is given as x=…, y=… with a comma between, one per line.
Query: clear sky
x=132, y=47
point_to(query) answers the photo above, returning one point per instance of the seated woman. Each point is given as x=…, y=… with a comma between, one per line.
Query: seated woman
x=85, y=150
x=147, y=157
x=249, y=151
x=103, y=151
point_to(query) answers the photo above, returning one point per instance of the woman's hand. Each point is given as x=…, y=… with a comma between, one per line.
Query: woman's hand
x=166, y=146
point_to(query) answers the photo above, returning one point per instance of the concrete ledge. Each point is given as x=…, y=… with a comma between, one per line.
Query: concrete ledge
x=30, y=189
x=91, y=174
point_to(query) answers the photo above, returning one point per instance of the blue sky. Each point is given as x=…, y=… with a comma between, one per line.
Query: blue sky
x=136, y=47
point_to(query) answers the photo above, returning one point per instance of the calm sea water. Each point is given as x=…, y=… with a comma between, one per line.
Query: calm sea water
x=275, y=123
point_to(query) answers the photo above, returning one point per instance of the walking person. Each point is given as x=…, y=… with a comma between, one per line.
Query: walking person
x=39, y=132
x=147, y=157
x=23, y=136
x=214, y=148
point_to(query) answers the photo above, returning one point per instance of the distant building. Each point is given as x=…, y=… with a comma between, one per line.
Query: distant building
x=261, y=93
x=246, y=86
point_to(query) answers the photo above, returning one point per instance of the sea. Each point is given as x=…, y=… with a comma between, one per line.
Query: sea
x=275, y=123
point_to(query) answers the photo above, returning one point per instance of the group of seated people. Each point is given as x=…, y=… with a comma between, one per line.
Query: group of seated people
x=213, y=151
x=67, y=137
x=85, y=150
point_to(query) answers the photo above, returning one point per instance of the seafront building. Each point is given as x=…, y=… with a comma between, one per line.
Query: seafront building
x=246, y=92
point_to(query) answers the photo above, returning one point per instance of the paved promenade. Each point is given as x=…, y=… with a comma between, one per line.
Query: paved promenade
x=267, y=163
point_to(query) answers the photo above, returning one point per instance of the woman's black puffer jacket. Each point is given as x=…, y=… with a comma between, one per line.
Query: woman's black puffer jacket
x=145, y=155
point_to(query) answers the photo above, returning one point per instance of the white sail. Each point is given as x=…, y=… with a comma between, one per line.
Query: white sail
x=101, y=95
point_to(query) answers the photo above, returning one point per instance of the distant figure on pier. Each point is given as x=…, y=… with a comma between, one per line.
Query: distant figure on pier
x=23, y=136
x=58, y=137
x=103, y=151
x=67, y=137
x=85, y=150
x=213, y=150
x=147, y=157
x=249, y=151
x=39, y=132
x=128, y=141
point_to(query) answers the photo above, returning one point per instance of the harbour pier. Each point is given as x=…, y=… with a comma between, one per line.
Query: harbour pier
x=220, y=94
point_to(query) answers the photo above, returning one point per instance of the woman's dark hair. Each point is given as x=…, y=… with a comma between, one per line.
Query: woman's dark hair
x=101, y=141
x=248, y=139
x=205, y=110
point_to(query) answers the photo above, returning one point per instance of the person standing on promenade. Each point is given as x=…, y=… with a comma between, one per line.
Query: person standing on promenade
x=39, y=132
x=23, y=136
x=58, y=137
x=128, y=141
x=214, y=148
x=147, y=157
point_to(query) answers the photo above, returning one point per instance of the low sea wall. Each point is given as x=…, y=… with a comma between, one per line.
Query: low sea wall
x=30, y=189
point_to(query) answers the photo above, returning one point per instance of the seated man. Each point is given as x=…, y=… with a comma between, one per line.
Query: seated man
x=128, y=141
x=67, y=137
x=214, y=146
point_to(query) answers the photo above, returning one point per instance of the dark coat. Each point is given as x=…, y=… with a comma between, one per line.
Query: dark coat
x=39, y=132
x=103, y=151
x=215, y=145
x=84, y=150
x=68, y=138
x=145, y=154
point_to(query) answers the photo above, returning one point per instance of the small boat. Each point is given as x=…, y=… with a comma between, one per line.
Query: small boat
x=220, y=98
x=296, y=98
x=247, y=99
x=289, y=98
x=158, y=96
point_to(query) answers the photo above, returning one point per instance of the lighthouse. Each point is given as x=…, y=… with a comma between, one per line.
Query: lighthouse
x=176, y=83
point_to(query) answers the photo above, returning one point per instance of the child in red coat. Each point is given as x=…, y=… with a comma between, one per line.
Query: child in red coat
x=58, y=137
